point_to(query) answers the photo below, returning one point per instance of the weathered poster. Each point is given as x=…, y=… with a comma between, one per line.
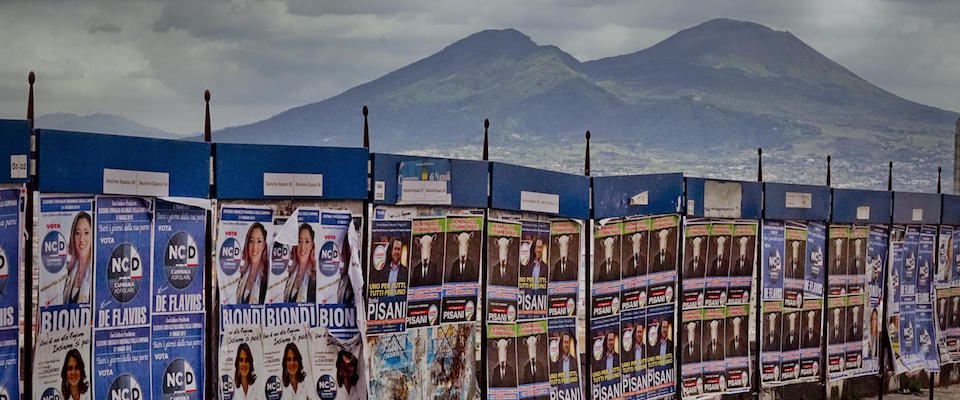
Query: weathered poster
x=911, y=323
x=501, y=348
x=387, y=276
x=604, y=351
x=738, y=351
x=241, y=363
x=294, y=266
x=605, y=288
x=534, y=251
x=811, y=357
x=426, y=276
x=62, y=367
x=662, y=265
x=461, y=279
x=424, y=181
x=503, y=259
x=565, y=375
x=948, y=282
x=695, y=264
x=66, y=232
x=660, y=371
x=772, y=274
x=10, y=284
x=338, y=367
x=691, y=358
x=244, y=234
x=434, y=362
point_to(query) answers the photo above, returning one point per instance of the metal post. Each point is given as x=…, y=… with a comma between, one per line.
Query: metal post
x=483, y=265
x=28, y=307
x=826, y=287
x=936, y=259
x=213, y=316
x=758, y=311
x=585, y=270
x=884, y=345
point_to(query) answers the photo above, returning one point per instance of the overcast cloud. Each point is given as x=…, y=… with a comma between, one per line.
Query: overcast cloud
x=151, y=61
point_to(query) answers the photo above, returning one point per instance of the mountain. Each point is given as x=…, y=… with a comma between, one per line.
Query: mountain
x=726, y=86
x=101, y=123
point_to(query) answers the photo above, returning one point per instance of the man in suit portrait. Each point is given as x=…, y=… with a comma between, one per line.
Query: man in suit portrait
x=565, y=267
x=534, y=267
x=503, y=268
x=566, y=363
x=394, y=271
x=426, y=272
x=737, y=338
x=607, y=265
x=636, y=264
x=697, y=257
x=463, y=268
x=691, y=344
x=663, y=344
x=502, y=372
x=534, y=370
x=663, y=259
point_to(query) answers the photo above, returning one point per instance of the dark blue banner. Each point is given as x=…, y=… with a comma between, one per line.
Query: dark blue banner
x=177, y=366
x=179, y=248
x=122, y=274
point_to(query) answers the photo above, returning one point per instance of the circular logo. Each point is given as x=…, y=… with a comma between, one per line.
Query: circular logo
x=571, y=307
x=226, y=386
x=179, y=381
x=615, y=305
x=598, y=349
x=329, y=259
x=326, y=387
x=126, y=387
x=432, y=314
x=53, y=251
x=642, y=298
x=669, y=294
x=273, y=389
x=51, y=394
x=511, y=313
x=279, y=258
x=652, y=334
x=524, y=252
x=181, y=260
x=229, y=256
x=468, y=310
x=124, y=272
x=4, y=273
x=379, y=257
x=627, y=339
x=554, y=350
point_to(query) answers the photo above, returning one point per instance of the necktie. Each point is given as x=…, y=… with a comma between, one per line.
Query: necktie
x=424, y=271
x=461, y=266
x=503, y=370
x=533, y=366
x=503, y=270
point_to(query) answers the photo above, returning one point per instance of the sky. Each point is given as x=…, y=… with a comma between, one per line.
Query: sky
x=151, y=61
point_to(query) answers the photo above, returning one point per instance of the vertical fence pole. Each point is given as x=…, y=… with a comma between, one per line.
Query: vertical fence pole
x=936, y=260
x=366, y=213
x=758, y=311
x=825, y=358
x=587, y=259
x=884, y=343
x=28, y=306
x=483, y=263
x=211, y=293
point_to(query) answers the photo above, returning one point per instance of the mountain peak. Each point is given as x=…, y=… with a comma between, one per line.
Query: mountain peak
x=493, y=42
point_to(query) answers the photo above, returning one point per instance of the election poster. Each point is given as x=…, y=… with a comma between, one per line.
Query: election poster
x=911, y=324
x=387, y=276
x=178, y=242
x=244, y=233
x=177, y=314
x=337, y=366
x=792, y=295
x=428, y=363
x=563, y=283
x=426, y=276
x=605, y=357
x=532, y=372
x=287, y=373
x=461, y=277
x=534, y=249
x=564, y=366
x=605, y=289
x=503, y=257
x=853, y=301
x=241, y=363
x=501, y=348
x=634, y=252
x=122, y=362
x=948, y=294
x=62, y=367
x=293, y=266
x=718, y=268
x=177, y=367
x=66, y=231
x=11, y=246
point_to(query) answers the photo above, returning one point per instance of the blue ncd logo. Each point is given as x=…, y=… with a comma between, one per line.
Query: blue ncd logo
x=4, y=273
x=124, y=272
x=229, y=256
x=181, y=260
x=326, y=387
x=279, y=258
x=179, y=381
x=125, y=387
x=53, y=252
x=329, y=258
x=274, y=388
x=50, y=394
